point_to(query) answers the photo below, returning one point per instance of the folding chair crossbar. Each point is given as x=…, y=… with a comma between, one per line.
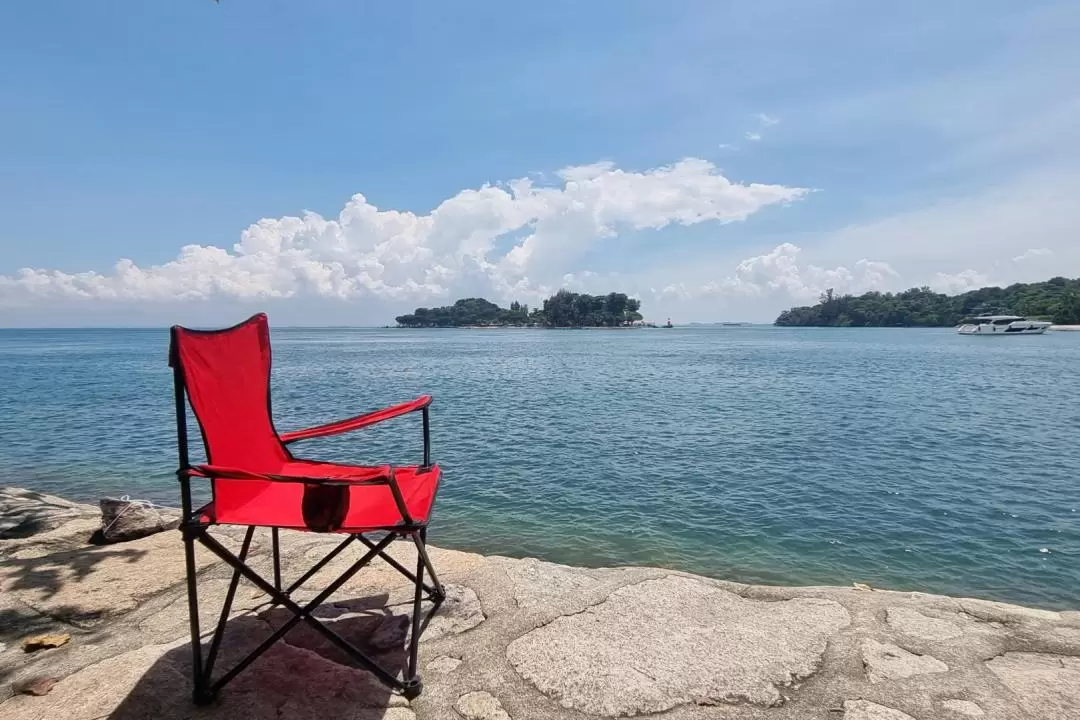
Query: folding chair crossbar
x=206, y=689
x=257, y=482
x=405, y=571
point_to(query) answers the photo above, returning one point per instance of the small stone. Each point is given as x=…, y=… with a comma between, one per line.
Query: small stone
x=125, y=519
x=866, y=710
x=444, y=664
x=37, y=687
x=43, y=642
x=890, y=662
x=963, y=707
x=862, y=586
x=480, y=706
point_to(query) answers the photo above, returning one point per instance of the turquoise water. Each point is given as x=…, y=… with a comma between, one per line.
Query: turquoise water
x=908, y=459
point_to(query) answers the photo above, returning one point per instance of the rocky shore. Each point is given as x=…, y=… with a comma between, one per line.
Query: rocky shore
x=519, y=639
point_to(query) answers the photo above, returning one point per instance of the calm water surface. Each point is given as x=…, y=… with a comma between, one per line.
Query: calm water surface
x=909, y=459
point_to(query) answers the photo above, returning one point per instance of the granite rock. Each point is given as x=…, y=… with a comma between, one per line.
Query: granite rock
x=85, y=585
x=1048, y=686
x=884, y=661
x=662, y=643
x=963, y=708
x=866, y=710
x=550, y=641
x=444, y=664
x=480, y=705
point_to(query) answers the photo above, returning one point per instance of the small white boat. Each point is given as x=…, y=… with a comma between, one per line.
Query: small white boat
x=1002, y=325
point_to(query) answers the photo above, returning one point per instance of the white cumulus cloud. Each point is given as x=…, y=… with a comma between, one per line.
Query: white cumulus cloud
x=779, y=272
x=953, y=283
x=390, y=254
x=1033, y=253
x=778, y=276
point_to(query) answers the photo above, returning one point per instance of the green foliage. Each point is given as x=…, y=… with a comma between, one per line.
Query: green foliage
x=1057, y=299
x=563, y=309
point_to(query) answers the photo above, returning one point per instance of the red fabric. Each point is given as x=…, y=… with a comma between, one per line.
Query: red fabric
x=296, y=471
x=227, y=375
x=360, y=421
x=370, y=506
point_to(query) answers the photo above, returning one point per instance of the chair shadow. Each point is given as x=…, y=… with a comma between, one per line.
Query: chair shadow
x=302, y=675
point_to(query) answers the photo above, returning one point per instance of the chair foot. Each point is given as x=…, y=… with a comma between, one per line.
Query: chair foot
x=412, y=688
x=202, y=697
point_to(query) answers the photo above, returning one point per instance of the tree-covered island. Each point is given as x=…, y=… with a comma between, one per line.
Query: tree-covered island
x=1057, y=300
x=563, y=309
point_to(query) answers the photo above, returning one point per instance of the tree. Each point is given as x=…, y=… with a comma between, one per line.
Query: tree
x=563, y=309
x=1057, y=299
x=615, y=308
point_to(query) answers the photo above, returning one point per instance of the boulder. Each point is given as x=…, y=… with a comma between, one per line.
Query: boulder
x=124, y=519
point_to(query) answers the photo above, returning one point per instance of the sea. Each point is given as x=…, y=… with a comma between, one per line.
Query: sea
x=908, y=459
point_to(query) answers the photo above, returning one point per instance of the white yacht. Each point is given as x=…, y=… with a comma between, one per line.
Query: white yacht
x=1002, y=325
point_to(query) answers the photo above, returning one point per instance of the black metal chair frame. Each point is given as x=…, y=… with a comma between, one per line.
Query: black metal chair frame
x=195, y=529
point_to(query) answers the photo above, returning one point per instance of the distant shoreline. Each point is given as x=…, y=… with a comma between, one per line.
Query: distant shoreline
x=526, y=327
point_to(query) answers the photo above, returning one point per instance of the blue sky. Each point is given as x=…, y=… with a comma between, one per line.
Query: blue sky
x=720, y=160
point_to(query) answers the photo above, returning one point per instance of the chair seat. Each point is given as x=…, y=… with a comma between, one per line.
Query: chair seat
x=371, y=507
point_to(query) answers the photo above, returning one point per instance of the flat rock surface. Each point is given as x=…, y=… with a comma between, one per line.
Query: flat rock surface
x=866, y=710
x=661, y=643
x=518, y=639
x=87, y=584
x=1046, y=685
x=921, y=625
x=963, y=708
x=885, y=661
x=480, y=705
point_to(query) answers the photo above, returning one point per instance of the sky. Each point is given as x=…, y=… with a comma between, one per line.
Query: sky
x=340, y=163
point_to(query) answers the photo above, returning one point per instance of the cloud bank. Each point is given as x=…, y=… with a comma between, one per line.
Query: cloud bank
x=523, y=239
x=509, y=240
x=780, y=275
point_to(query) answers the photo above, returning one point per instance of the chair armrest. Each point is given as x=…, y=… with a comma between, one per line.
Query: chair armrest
x=374, y=475
x=355, y=423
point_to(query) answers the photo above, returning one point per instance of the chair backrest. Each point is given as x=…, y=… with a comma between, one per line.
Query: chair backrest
x=227, y=376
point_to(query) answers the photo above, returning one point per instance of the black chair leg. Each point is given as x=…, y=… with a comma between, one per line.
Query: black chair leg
x=277, y=558
x=200, y=693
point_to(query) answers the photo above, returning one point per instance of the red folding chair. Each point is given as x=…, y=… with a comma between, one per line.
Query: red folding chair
x=257, y=482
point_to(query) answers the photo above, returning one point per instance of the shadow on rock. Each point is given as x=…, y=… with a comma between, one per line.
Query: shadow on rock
x=302, y=676
x=46, y=575
x=31, y=513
